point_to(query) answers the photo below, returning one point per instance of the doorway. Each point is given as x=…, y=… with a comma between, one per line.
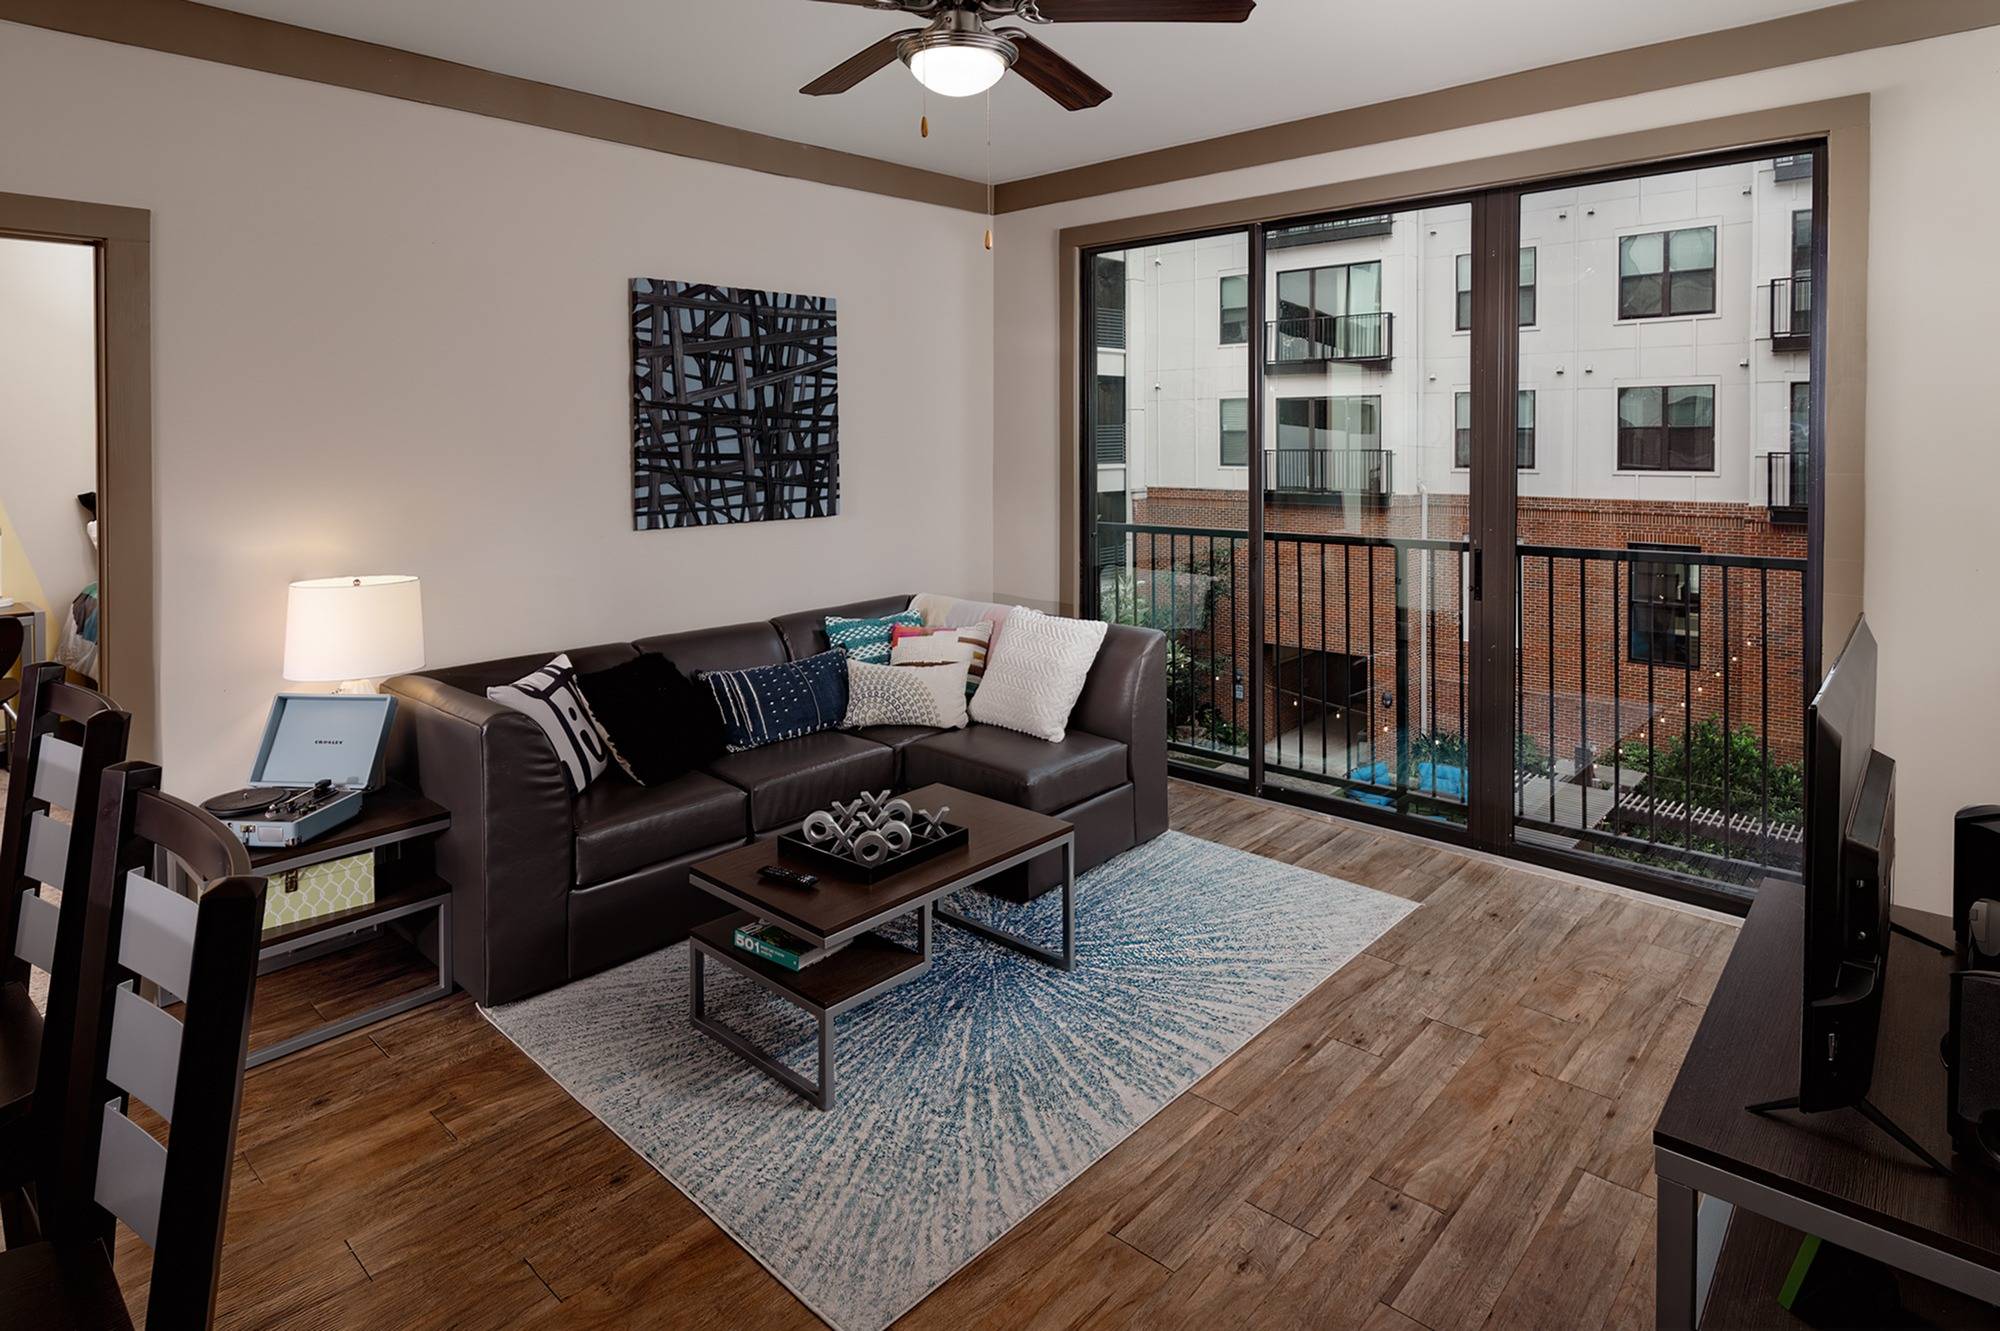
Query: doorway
x=76, y=496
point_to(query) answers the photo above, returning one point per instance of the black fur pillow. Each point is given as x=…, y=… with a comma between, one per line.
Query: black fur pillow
x=658, y=723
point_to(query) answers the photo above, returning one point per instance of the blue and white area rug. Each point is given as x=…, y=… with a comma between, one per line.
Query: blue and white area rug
x=969, y=1096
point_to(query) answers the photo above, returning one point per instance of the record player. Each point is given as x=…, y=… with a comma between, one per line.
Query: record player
x=321, y=753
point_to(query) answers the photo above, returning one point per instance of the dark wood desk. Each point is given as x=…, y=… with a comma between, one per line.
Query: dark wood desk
x=1832, y=1174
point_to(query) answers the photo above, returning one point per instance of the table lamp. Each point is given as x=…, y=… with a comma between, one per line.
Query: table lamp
x=353, y=631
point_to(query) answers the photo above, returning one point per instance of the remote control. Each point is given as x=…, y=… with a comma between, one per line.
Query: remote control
x=777, y=873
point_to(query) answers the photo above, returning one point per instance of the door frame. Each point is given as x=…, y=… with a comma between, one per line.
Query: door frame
x=127, y=641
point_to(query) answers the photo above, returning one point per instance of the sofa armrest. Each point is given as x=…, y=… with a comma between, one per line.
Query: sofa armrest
x=509, y=854
x=1125, y=698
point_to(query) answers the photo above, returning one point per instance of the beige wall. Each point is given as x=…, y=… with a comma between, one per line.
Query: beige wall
x=48, y=420
x=1932, y=473
x=392, y=338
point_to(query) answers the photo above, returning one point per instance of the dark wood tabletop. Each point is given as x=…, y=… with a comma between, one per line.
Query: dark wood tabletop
x=1747, y=1050
x=393, y=811
x=997, y=832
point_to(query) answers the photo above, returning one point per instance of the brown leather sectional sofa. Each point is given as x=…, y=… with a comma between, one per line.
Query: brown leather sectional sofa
x=547, y=888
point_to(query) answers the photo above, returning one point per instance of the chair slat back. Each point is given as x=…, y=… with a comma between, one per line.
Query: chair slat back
x=189, y=1069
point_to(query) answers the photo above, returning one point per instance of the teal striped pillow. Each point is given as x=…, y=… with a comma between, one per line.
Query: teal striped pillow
x=867, y=640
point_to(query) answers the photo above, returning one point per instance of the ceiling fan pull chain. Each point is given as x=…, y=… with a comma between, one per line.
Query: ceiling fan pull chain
x=989, y=170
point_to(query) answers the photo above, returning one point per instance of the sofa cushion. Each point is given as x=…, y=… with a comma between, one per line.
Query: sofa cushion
x=621, y=826
x=804, y=631
x=788, y=780
x=732, y=647
x=1019, y=769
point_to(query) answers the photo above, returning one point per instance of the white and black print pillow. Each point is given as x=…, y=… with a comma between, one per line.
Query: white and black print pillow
x=912, y=695
x=549, y=698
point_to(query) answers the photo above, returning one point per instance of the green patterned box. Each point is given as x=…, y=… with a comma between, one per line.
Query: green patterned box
x=319, y=889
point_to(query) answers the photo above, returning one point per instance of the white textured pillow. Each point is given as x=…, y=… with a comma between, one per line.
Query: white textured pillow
x=1036, y=673
x=550, y=698
x=912, y=695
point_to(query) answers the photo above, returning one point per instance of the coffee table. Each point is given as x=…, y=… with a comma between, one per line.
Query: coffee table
x=838, y=910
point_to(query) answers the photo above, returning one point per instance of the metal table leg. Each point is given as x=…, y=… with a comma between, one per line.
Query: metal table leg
x=818, y=1092
x=1064, y=959
x=1674, y=1294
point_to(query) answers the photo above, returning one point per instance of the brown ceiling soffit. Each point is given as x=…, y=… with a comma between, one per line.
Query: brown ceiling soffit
x=224, y=36
x=1795, y=39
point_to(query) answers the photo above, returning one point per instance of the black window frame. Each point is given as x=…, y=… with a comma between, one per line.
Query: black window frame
x=1669, y=307
x=1241, y=321
x=1223, y=431
x=1671, y=440
x=1652, y=617
x=1524, y=435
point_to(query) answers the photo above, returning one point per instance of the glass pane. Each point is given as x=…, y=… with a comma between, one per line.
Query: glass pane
x=1691, y=404
x=1462, y=411
x=1692, y=248
x=1528, y=266
x=1639, y=254
x=1352, y=714
x=1524, y=409
x=1173, y=553
x=1660, y=697
x=1638, y=406
x=1294, y=295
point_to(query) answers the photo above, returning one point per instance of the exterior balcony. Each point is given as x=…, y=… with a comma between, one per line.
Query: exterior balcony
x=1320, y=475
x=1787, y=485
x=1791, y=313
x=1313, y=342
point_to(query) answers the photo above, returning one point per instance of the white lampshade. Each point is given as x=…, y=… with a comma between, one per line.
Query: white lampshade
x=353, y=628
x=957, y=71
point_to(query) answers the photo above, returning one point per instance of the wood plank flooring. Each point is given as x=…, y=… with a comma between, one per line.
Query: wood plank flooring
x=1452, y=1132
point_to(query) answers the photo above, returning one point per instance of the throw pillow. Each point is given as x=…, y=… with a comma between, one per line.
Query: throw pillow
x=921, y=695
x=658, y=723
x=1035, y=677
x=950, y=612
x=908, y=646
x=765, y=704
x=549, y=698
x=868, y=639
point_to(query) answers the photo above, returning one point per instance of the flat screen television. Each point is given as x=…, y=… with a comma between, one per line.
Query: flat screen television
x=1850, y=814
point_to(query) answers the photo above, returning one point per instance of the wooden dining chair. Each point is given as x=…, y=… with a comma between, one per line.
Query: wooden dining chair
x=66, y=739
x=188, y=1070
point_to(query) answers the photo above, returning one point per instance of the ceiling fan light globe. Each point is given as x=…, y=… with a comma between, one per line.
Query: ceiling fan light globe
x=957, y=71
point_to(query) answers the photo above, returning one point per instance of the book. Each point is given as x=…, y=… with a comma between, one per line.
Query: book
x=767, y=940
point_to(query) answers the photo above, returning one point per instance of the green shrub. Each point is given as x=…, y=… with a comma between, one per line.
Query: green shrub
x=1690, y=770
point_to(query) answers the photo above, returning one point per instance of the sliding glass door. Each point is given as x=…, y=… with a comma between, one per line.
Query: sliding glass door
x=1490, y=516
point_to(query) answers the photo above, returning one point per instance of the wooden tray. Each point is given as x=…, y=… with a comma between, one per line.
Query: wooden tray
x=955, y=836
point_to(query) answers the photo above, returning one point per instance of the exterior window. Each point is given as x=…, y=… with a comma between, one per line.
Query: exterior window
x=1236, y=432
x=1801, y=417
x=1108, y=300
x=1333, y=310
x=1462, y=312
x=1110, y=546
x=1664, y=273
x=1108, y=426
x=1664, y=609
x=1235, y=309
x=1314, y=233
x=1798, y=167
x=1338, y=424
x=1802, y=243
x=1524, y=430
x=1669, y=428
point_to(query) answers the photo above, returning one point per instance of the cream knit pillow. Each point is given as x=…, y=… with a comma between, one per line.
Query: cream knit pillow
x=1036, y=672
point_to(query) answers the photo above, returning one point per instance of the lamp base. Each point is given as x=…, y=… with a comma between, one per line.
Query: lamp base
x=358, y=686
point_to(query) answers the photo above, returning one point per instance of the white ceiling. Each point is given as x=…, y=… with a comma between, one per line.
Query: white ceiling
x=741, y=62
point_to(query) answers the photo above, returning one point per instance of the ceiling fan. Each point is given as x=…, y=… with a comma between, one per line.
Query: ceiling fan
x=958, y=55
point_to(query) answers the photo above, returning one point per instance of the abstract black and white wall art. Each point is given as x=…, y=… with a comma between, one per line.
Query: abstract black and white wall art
x=735, y=408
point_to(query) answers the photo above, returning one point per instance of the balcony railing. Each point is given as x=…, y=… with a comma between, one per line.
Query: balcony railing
x=1787, y=484
x=1791, y=313
x=1659, y=702
x=1369, y=472
x=1315, y=340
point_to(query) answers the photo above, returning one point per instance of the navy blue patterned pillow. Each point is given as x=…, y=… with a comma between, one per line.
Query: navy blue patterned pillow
x=765, y=704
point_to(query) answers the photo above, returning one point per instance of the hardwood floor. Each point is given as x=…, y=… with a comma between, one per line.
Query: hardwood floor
x=1451, y=1132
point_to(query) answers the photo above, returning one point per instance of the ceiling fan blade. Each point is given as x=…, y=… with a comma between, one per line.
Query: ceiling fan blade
x=856, y=67
x=1145, y=11
x=1073, y=89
